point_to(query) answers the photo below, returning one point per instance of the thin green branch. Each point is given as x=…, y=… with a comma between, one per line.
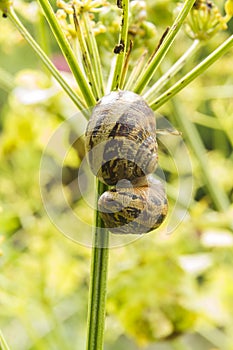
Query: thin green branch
x=87, y=61
x=224, y=120
x=167, y=42
x=52, y=69
x=126, y=65
x=6, y=81
x=110, y=74
x=68, y=53
x=122, y=46
x=98, y=282
x=42, y=35
x=137, y=69
x=206, y=120
x=189, y=129
x=215, y=336
x=216, y=91
x=3, y=344
x=94, y=53
x=149, y=95
x=194, y=73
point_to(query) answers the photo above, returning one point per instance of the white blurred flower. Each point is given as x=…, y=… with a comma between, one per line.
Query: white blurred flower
x=217, y=238
x=195, y=263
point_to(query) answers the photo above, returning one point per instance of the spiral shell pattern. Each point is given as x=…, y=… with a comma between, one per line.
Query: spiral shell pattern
x=120, y=138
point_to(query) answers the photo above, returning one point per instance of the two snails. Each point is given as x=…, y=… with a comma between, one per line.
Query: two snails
x=122, y=152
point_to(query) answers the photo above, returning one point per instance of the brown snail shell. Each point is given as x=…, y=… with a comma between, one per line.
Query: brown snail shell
x=121, y=138
x=122, y=151
x=139, y=209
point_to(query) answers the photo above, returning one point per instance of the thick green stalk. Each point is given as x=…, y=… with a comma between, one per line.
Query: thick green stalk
x=100, y=250
x=98, y=282
x=68, y=53
x=167, y=42
x=52, y=69
x=193, y=74
x=122, y=46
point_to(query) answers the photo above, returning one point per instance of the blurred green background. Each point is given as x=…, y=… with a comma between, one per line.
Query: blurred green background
x=164, y=291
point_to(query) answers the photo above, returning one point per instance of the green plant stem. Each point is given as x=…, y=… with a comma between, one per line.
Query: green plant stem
x=148, y=96
x=139, y=66
x=207, y=121
x=68, y=53
x=194, y=73
x=3, y=344
x=98, y=282
x=87, y=62
x=215, y=336
x=100, y=250
x=126, y=65
x=42, y=37
x=123, y=40
x=178, y=344
x=52, y=69
x=6, y=81
x=218, y=196
x=225, y=126
x=94, y=53
x=167, y=42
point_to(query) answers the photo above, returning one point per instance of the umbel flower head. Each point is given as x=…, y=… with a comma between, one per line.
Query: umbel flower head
x=205, y=20
x=68, y=9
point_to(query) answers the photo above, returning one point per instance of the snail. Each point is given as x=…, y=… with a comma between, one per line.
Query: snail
x=136, y=209
x=122, y=152
x=120, y=138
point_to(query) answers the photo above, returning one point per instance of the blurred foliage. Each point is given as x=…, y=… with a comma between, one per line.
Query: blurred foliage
x=174, y=289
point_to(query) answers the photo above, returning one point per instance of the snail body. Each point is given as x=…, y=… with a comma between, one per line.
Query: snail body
x=122, y=151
